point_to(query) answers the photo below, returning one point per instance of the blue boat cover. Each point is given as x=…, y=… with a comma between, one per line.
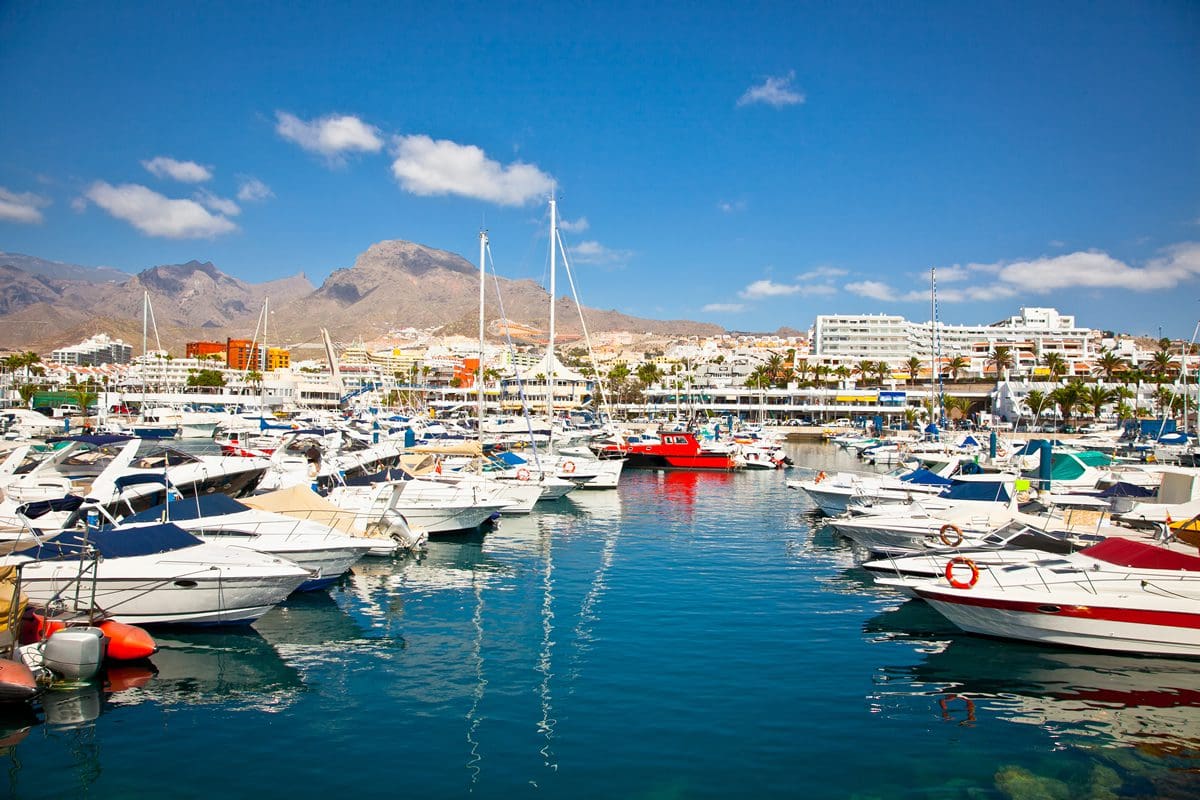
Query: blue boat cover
x=120, y=542
x=510, y=458
x=978, y=490
x=202, y=505
x=926, y=477
x=1126, y=490
x=42, y=507
x=96, y=439
x=139, y=478
x=969, y=441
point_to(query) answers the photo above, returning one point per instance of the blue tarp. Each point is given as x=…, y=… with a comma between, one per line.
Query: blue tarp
x=118, y=542
x=926, y=477
x=978, y=490
x=34, y=510
x=969, y=441
x=205, y=505
x=1126, y=490
x=510, y=458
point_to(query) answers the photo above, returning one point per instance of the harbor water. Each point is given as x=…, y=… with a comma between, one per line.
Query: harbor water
x=690, y=635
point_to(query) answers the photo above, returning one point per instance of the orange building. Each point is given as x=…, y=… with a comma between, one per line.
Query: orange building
x=205, y=349
x=243, y=354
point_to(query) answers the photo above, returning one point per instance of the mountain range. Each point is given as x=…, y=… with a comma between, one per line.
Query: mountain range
x=394, y=284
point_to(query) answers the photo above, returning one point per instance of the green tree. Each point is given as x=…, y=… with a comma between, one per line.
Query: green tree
x=1095, y=397
x=913, y=367
x=1056, y=364
x=1036, y=401
x=957, y=366
x=1067, y=398
x=1002, y=358
x=1109, y=364
x=206, y=377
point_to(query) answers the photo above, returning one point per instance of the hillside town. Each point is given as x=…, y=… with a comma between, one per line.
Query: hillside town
x=1035, y=368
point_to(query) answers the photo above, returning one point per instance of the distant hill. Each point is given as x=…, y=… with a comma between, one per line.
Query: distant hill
x=63, y=271
x=392, y=285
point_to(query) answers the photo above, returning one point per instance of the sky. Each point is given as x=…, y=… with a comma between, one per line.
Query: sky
x=747, y=164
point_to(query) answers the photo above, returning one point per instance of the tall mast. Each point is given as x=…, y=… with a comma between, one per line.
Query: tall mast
x=483, y=241
x=550, y=344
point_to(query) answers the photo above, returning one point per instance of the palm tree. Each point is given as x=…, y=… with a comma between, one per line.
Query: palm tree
x=842, y=372
x=1096, y=397
x=956, y=366
x=960, y=404
x=1067, y=398
x=1002, y=357
x=618, y=380
x=760, y=378
x=1161, y=365
x=1036, y=400
x=913, y=366
x=648, y=373
x=1056, y=364
x=774, y=365
x=1109, y=364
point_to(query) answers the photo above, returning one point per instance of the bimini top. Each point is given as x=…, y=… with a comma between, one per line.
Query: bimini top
x=119, y=542
x=925, y=477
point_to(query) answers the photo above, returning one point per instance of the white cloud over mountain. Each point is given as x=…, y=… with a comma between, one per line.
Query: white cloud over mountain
x=425, y=166
x=729, y=308
x=183, y=171
x=592, y=252
x=332, y=136
x=156, y=215
x=776, y=92
x=212, y=202
x=21, y=207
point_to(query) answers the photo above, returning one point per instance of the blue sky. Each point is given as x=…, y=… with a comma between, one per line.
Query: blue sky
x=751, y=165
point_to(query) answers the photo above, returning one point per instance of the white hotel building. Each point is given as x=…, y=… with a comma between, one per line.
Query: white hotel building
x=851, y=338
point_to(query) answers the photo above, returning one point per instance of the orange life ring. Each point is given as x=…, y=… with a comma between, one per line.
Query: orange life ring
x=522, y=474
x=950, y=526
x=820, y=477
x=568, y=466
x=944, y=703
x=957, y=584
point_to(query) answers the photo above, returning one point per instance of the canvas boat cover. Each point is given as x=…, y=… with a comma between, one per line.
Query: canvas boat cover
x=118, y=542
x=303, y=503
x=926, y=477
x=1128, y=553
x=202, y=505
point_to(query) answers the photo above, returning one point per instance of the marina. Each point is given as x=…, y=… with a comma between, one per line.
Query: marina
x=691, y=634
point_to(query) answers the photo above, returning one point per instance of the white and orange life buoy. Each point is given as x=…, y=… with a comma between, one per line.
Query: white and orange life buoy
x=568, y=466
x=955, y=582
x=820, y=477
x=522, y=474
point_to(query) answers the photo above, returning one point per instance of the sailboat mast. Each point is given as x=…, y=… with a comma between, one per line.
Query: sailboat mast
x=550, y=344
x=483, y=241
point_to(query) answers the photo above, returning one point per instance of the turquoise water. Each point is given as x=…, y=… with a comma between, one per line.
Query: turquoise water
x=691, y=635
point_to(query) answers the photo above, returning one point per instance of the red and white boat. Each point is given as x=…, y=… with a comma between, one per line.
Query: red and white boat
x=1119, y=595
x=669, y=450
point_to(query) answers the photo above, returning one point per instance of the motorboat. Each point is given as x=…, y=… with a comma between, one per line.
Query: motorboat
x=840, y=492
x=429, y=506
x=669, y=450
x=324, y=551
x=1118, y=595
x=155, y=573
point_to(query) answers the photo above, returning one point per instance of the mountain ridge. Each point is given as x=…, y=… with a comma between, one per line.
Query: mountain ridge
x=393, y=284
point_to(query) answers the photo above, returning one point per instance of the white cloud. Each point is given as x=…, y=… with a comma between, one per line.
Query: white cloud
x=183, y=171
x=876, y=290
x=1057, y=243
x=822, y=272
x=729, y=207
x=156, y=215
x=767, y=288
x=220, y=205
x=252, y=190
x=1096, y=270
x=425, y=166
x=592, y=252
x=774, y=91
x=578, y=226
x=331, y=136
x=21, y=206
x=725, y=307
